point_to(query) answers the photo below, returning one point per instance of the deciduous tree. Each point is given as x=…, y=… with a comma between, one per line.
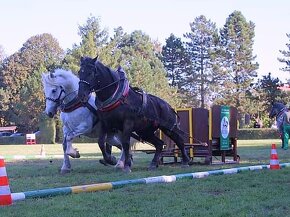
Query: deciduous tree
x=20, y=80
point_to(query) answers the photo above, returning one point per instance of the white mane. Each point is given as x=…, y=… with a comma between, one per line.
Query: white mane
x=60, y=77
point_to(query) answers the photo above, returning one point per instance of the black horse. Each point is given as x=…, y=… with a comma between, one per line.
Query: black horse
x=282, y=114
x=129, y=110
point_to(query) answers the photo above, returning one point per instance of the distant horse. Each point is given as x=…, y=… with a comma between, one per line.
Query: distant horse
x=129, y=110
x=282, y=114
x=61, y=90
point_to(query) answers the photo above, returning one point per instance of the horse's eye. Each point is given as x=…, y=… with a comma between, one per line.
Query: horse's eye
x=53, y=91
x=80, y=71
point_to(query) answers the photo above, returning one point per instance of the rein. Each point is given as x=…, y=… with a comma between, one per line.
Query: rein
x=100, y=89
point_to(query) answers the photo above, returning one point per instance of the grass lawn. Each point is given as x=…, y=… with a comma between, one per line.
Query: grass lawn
x=251, y=193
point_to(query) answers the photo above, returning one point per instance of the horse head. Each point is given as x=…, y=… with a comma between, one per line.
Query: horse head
x=87, y=76
x=94, y=76
x=56, y=86
x=277, y=107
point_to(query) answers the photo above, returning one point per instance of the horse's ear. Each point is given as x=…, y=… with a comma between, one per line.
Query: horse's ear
x=82, y=59
x=52, y=75
x=96, y=58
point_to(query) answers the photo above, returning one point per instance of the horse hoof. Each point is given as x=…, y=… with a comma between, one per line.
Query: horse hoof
x=112, y=161
x=64, y=171
x=152, y=167
x=75, y=154
x=102, y=161
x=185, y=165
x=119, y=165
x=127, y=169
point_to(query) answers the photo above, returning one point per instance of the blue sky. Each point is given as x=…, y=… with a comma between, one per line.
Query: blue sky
x=21, y=19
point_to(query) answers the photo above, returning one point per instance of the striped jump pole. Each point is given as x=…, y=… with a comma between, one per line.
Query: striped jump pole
x=118, y=184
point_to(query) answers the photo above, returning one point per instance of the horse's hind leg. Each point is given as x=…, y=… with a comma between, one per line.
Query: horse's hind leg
x=158, y=143
x=175, y=136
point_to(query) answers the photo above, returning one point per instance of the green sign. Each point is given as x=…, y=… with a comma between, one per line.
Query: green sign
x=225, y=128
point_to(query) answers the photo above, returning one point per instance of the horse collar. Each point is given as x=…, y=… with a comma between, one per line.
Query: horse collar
x=116, y=99
x=72, y=105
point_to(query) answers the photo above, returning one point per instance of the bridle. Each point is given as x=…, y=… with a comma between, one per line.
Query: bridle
x=58, y=100
x=92, y=88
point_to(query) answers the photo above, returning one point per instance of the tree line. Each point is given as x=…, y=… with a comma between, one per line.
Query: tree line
x=207, y=66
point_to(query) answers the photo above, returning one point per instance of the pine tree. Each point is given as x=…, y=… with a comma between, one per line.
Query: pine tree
x=93, y=39
x=264, y=93
x=137, y=54
x=2, y=54
x=201, y=46
x=237, y=67
x=270, y=91
x=286, y=58
x=111, y=54
x=176, y=61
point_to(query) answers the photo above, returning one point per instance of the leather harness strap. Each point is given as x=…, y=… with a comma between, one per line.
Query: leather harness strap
x=91, y=108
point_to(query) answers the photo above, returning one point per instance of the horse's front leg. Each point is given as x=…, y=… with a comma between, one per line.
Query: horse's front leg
x=73, y=152
x=121, y=162
x=66, y=166
x=106, y=150
x=114, y=140
x=127, y=130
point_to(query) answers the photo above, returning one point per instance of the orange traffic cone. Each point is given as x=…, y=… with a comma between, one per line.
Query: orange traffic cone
x=5, y=193
x=274, y=162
